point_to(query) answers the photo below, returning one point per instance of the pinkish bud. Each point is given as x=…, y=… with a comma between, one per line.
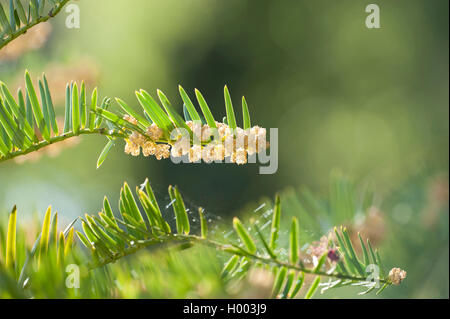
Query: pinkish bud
x=333, y=255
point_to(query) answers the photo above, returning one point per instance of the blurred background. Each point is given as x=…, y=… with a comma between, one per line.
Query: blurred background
x=373, y=103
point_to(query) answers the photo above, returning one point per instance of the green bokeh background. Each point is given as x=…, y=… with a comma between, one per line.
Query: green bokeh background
x=371, y=102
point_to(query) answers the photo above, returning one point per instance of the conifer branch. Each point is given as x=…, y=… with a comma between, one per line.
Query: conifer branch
x=28, y=124
x=20, y=21
x=110, y=238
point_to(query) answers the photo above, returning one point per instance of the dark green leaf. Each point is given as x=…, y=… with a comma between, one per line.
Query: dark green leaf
x=38, y=116
x=245, y=114
x=75, y=110
x=51, y=109
x=205, y=109
x=244, y=235
x=278, y=283
x=313, y=288
x=133, y=113
x=203, y=223
x=189, y=105
x=105, y=152
x=275, y=223
x=231, y=119
x=83, y=106
x=68, y=111
x=92, y=115
x=294, y=241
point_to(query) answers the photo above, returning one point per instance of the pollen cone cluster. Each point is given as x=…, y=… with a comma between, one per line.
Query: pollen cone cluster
x=225, y=142
x=397, y=275
x=137, y=141
x=209, y=144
